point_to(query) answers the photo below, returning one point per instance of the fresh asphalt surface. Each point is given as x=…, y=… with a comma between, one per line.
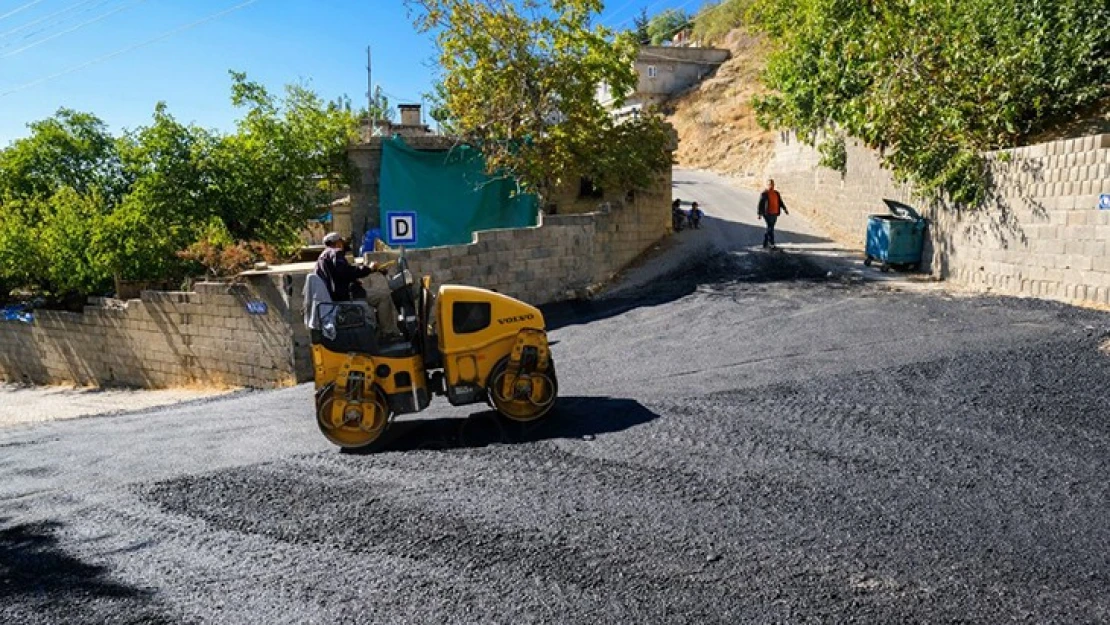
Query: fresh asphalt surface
x=746, y=440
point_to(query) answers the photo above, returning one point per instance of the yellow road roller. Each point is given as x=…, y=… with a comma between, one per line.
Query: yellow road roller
x=468, y=344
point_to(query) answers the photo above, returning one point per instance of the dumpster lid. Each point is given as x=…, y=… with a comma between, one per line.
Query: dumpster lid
x=904, y=211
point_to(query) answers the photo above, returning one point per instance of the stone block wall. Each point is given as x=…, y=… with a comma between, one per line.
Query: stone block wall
x=163, y=339
x=1041, y=234
x=209, y=337
x=557, y=259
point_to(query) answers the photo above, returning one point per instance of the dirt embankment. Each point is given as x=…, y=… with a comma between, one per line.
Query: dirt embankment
x=715, y=120
x=718, y=131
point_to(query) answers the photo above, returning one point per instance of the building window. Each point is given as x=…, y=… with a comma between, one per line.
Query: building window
x=652, y=72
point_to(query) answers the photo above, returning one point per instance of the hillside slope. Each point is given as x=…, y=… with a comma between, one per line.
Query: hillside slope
x=715, y=121
x=718, y=131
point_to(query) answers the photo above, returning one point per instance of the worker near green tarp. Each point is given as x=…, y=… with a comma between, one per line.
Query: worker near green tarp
x=336, y=272
x=343, y=282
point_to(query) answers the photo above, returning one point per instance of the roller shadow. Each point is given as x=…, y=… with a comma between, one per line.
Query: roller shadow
x=572, y=417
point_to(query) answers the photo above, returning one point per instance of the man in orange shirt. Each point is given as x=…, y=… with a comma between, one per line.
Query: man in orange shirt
x=770, y=205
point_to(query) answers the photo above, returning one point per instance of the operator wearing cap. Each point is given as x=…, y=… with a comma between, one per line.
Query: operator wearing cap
x=340, y=276
x=336, y=272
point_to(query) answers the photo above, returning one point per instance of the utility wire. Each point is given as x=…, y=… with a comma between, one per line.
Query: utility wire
x=617, y=12
x=68, y=9
x=397, y=99
x=94, y=20
x=19, y=9
x=122, y=51
x=648, y=9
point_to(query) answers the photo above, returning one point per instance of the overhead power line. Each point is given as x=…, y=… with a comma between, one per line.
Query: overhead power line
x=616, y=12
x=19, y=9
x=68, y=9
x=397, y=99
x=630, y=19
x=67, y=31
x=122, y=51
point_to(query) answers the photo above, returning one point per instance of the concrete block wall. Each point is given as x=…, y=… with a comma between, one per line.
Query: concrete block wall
x=208, y=336
x=161, y=340
x=559, y=258
x=1041, y=233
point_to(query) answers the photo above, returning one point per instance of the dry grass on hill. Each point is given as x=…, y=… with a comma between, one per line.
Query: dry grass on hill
x=715, y=120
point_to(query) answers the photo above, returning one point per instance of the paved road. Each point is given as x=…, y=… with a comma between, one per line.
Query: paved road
x=745, y=440
x=731, y=228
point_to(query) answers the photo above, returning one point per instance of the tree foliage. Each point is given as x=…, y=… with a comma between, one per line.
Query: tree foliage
x=377, y=108
x=664, y=25
x=933, y=83
x=640, y=27
x=283, y=162
x=79, y=207
x=519, y=81
x=70, y=149
x=714, y=21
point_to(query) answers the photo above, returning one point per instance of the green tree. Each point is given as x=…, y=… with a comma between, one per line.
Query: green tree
x=44, y=243
x=437, y=108
x=520, y=83
x=664, y=25
x=21, y=262
x=55, y=187
x=79, y=207
x=931, y=82
x=640, y=25
x=70, y=149
x=380, y=107
x=281, y=166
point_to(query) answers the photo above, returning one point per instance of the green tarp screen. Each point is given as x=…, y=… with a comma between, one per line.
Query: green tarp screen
x=447, y=196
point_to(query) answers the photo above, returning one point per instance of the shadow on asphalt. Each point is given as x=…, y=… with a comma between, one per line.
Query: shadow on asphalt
x=572, y=417
x=738, y=265
x=35, y=571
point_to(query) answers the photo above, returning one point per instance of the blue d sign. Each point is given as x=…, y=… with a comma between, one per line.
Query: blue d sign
x=1104, y=202
x=400, y=228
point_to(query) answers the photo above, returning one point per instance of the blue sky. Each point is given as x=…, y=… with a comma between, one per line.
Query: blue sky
x=321, y=42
